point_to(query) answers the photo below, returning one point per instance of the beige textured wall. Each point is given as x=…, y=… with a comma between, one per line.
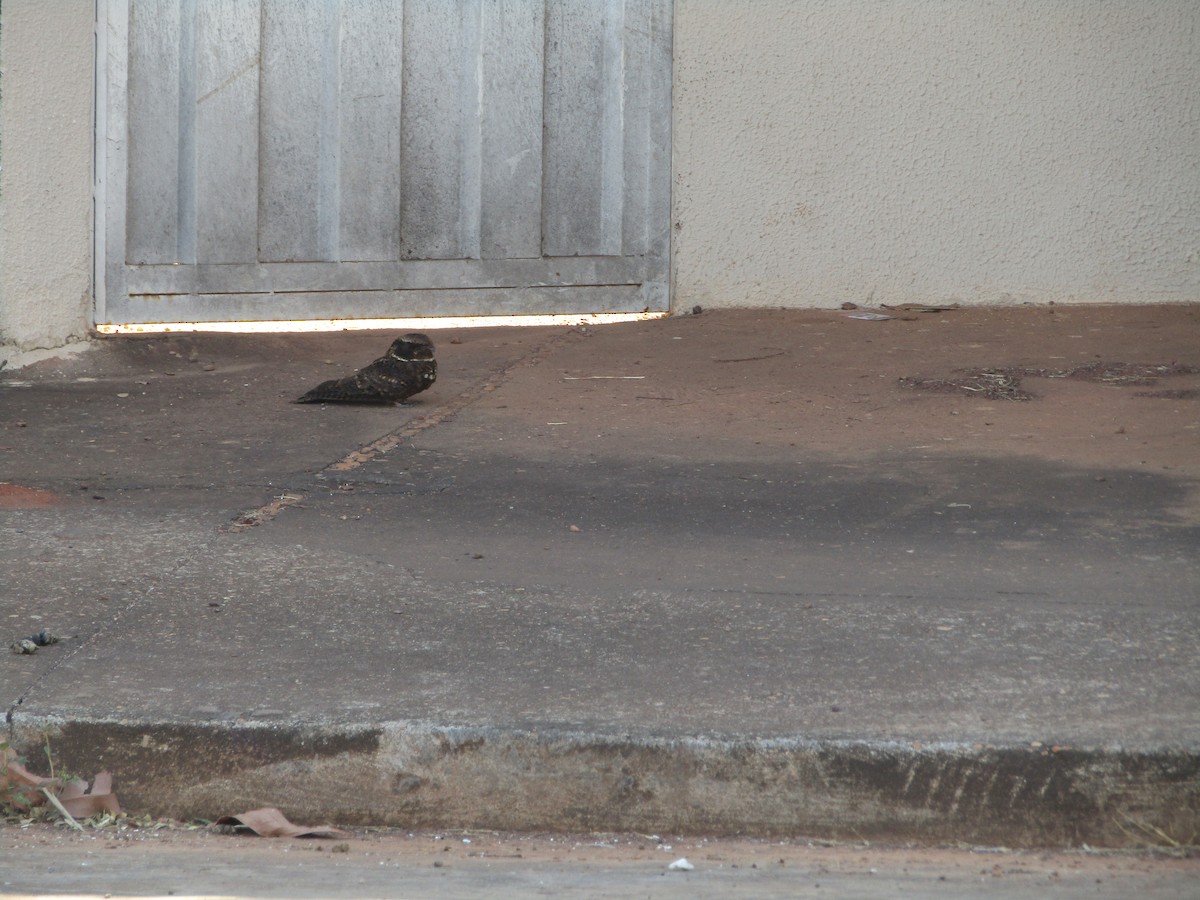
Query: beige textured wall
x=46, y=99
x=984, y=151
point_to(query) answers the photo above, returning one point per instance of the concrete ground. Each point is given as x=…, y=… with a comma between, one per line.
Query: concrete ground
x=171, y=863
x=741, y=572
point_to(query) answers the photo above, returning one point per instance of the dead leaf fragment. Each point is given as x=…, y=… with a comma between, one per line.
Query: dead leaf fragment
x=19, y=786
x=83, y=804
x=270, y=822
x=24, y=790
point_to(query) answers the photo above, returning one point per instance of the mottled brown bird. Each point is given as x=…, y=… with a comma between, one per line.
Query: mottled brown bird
x=408, y=368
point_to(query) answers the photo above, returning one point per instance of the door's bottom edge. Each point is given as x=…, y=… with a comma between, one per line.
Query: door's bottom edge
x=430, y=322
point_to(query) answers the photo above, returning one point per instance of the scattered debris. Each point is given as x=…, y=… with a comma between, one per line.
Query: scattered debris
x=920, y=307
x=697, y=309
x=774, y=351
x=62, y=811
x=255, y=517
x=1005, y=383
x=681, y=865
x=1146, y=833
x=270, y=822
x=994, y=384
x=74, y=798
x=29, y=645
x=1181, y=394
x=1124, y=373
x=1108, y=373
x=849, y=305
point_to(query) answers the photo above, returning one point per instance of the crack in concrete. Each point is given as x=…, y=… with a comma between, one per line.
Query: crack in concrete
x=103, y=630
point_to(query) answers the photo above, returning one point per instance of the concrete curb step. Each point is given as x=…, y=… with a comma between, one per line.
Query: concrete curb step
x=422, y=775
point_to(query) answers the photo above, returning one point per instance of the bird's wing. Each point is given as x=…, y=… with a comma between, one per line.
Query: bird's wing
x=385, y=377
x=340, y=390
x=365, y=386
x=383, y=381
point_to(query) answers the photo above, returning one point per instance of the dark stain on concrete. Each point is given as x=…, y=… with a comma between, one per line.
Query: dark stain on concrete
x=19, y=496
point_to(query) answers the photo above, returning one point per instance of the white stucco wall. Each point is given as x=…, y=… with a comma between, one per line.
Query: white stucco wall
x=985, y=151
x=46, y=99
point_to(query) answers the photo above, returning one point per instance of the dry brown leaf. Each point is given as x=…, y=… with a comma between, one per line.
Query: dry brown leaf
x=16, y=775
x=73, y=794
x=270, y=822
x=82, y=804
x=18, y=785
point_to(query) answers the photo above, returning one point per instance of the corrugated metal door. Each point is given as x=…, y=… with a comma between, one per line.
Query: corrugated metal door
x=315, y=159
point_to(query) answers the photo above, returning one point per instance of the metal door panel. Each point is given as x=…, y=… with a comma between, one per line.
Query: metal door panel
x=367, y=158
x=226, y=131
x=369, y=129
